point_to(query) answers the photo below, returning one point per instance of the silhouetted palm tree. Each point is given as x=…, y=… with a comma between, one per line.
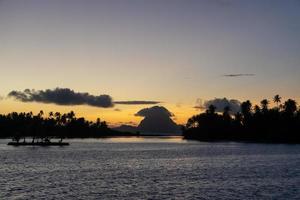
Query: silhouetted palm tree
x=57, y=118
x=63, y=119
x=238, y=117
x=98, y=122
x=192, y=122
x=256, y=109
x=277, y=100
x=264, y=104
x=104, y=125
x=290, y=106
x=41, y=113
x=226, y=114
x=17, y=125
x=71, y=116
x=246, y=108
x=265, y=125
x=211, y=109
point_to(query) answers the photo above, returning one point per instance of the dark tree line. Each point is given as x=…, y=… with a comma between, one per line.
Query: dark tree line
x=57, y=125
x=252, y=124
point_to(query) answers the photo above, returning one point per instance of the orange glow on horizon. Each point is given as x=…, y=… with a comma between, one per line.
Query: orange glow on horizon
x=116, y=116
x=121, y=114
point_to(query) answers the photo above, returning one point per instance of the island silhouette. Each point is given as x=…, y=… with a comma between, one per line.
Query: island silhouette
x=157, y=121
x=40, y=127
x=280, y=124
x=259, y=123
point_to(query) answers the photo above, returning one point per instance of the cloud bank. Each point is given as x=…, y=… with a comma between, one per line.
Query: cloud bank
x=66, y=96
x=154, y=112
x=62, y=96
x=237, y=75
x=220, y=104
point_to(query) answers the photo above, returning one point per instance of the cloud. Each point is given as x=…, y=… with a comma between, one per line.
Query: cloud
x=66, y=96
x=220, y=104
x=154, y=111
x=136, y=102
x=237, y=75
x=62, y=96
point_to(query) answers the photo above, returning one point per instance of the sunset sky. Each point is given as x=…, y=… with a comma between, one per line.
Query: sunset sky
x=171, y=51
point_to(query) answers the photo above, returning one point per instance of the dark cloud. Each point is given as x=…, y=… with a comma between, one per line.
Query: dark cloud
x=154, y=111
x=66, y=96
x=137, y=102
x=220, y=104
x=237, y=75
x=62, y=96
x=157, y=120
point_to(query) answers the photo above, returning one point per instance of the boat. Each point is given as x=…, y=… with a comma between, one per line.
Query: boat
x=43, y=142
x=38, y=143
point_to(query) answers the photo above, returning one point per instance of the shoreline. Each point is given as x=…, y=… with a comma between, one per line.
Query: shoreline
x=183, y=138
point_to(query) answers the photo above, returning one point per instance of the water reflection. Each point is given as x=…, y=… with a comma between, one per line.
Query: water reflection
x=147, y=139
x=141, y=139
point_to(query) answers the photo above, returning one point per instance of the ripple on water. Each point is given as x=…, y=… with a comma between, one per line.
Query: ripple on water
x=150, y=169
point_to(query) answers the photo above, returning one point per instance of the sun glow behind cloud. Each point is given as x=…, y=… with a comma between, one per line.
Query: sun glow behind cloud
x=124, y=115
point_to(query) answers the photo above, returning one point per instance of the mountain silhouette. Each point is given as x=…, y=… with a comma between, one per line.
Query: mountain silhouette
x=156, y=120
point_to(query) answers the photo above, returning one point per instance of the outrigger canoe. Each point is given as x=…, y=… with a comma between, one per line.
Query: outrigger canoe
x=38, y=143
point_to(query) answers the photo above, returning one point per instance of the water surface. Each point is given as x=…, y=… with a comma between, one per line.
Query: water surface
x=150, y=168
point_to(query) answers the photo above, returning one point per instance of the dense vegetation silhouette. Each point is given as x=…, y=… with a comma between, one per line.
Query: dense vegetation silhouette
x=56, y=125
x=252, y=124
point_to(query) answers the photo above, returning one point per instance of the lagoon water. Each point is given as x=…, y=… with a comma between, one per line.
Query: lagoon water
x=150, y=168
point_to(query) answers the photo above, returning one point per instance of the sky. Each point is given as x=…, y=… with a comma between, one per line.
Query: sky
x=171, y=51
